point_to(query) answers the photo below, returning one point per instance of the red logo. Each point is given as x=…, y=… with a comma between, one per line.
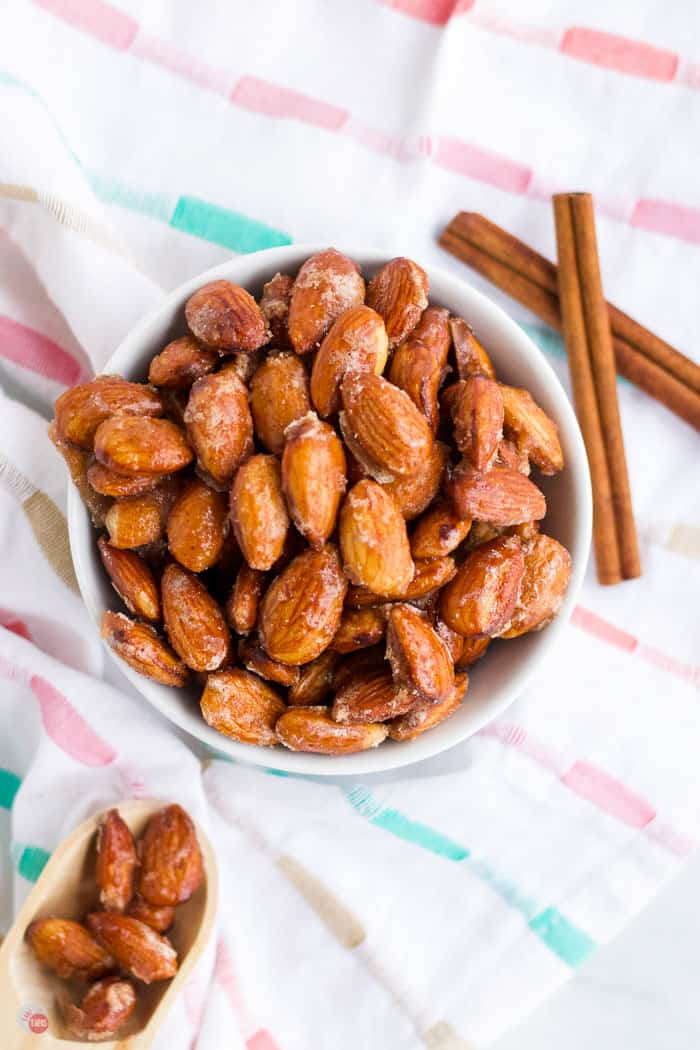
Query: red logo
x=38, y=1023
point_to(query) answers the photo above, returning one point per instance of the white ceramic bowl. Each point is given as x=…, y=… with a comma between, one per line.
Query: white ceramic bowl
x=506, y=670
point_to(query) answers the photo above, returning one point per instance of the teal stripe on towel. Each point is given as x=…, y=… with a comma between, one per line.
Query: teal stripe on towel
x=30, y=861
x=9, y=786
x=225, y=227
x=562, y=937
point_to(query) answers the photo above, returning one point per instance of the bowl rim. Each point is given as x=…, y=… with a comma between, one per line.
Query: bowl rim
x=390, y=756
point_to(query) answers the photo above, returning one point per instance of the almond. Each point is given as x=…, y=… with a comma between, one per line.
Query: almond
x=414, y=494
x=326, y=286
x=133, y=445
x=500, y=497
x=470, y=355
x=371, y=697
x=194, y=622
x=301, y=610
x=242, y=606
x=80, y=410
x=140, y=520
x=390, y=431
x=68, y=949
x=509, y=455
x=420, y=661
x=416, y=370
x=120, y=486
x=429, y=575
x=359, y=628
x=527, y=530
x=258, y=511
x=116, y=862
x=399, y=292
x=197, y=526
x=274, y=303
x=171, y=860
x=544, y=583
x=242, y=706
x=453, y=641
x=433, y=331
x=143, y=953
x=478, y=420
x=356, y=342
x=174, y=403
x=472, y=650
x=225, y=317
x=534, y=432
x=139, y=646
x=158, y=917
x=426, y=716
x=373, y=540
x=132, y=580
x=481, y=598
x=106, y=1006
x=180, y=363
x=279, y=394
x=312, y=729
x=438, y=532
x=315, y=680
x=357, y=664
x=313, y=477
x=78, y=461
x=253, y=656
x=219, y=425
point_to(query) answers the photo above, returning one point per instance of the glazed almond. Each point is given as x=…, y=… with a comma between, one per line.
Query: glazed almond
x=68, y=949
x=373, y=540
x=180, y=363
x=301, y=610
x=420, y=661
x=426, y=716
x=438, y=532
x=326, y=286
x=313, y=477
x=500, y=497
x=80, y=410
x=399, y=292
x=253, y=656
x=132, y=580
x=356, y=342
x=158, y=917
x=429, y=575
x=219, y=425
x=104, y=1009
x=279, y=394
x=242, y=706
x=371, y=696
x=315, y=680
x=78, y=461
x=543, y=586
x=359, y=629
x=197, y=526
x=258, y=511
x=274, y=304
x=138, y=949
x=242, y=605
x=433, y=331
x=470, y=355
x=140, y=520
x=139, y=646
x=224, y=317
x=194, y=622
x=482, y=597
x=132, y=445
x=120, y=486
x=473, y=649
x=478, y=420
x=416, y=370
x=534, y=432
x=116, y=862
x=171, y=860
x=393, y=436
x=312, y=729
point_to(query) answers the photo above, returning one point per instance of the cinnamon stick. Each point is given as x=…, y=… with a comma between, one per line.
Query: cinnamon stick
x=641, y=357
x=588, y=339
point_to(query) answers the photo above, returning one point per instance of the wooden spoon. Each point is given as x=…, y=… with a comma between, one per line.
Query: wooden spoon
x=67, y=890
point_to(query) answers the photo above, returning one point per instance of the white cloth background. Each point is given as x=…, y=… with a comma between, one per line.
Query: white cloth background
x=431, y=909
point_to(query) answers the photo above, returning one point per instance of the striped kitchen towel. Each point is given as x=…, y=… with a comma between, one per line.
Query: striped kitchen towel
x=141, y=143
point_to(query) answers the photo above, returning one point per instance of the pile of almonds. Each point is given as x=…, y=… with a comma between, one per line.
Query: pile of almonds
x=257, y=495
x=139, y=887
